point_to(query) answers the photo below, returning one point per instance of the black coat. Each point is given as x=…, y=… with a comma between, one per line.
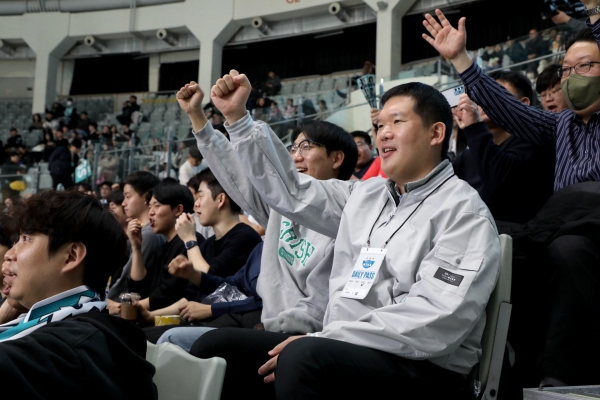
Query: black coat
x=62, y=162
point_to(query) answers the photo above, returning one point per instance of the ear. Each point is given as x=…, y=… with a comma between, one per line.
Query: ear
x=338, y=158
x=438, y=133
x=178, y=210
x=221, y=200
x=525, y=100
x=74, y=255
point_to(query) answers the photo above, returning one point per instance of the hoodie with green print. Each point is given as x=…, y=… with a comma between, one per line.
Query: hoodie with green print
x=296, y=261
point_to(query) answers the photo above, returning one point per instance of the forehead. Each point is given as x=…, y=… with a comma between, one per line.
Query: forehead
x=582, y=51
x=300, y=138
x=399, y=106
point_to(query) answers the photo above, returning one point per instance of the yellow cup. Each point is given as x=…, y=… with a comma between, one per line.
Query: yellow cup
x=164, y=320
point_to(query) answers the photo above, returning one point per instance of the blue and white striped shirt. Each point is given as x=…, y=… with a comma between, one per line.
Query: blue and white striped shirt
x=577, y=144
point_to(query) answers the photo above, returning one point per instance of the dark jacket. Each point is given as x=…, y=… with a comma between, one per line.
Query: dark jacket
x=62, y=162
x=90, y=356
x=245, y=280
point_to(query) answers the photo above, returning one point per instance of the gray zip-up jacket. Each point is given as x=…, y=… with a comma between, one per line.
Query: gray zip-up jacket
x=296, y=261
x=412, y=310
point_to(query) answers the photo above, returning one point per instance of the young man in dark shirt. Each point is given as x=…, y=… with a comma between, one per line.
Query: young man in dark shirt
x=67, y=345
x=513, y=177
x=365, y=153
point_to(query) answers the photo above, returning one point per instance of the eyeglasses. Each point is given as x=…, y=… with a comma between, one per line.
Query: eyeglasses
x=579, y=68
x=303, y=147
x=550, y=93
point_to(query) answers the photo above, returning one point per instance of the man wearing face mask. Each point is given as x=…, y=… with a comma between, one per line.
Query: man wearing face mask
x=571, y=269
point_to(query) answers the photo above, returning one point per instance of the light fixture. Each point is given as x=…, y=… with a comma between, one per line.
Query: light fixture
x=337, y=11
x=6, y=48
x=94, y=43
x=261, y=25
x=382, y=5
x=167, y=37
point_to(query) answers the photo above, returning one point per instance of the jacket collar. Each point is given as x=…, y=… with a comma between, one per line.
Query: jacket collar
x=442, y=171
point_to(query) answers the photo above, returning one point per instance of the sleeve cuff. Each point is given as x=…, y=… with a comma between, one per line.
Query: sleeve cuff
x=471, y=74
x=241, y=128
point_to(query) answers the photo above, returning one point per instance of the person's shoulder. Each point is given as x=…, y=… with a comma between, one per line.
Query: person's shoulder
x=244, y=230
x=458, y=194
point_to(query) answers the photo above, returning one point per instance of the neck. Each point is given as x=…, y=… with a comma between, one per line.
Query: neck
x=417, y=176
x=171, y=234
x=225, y=224
x=500, y=135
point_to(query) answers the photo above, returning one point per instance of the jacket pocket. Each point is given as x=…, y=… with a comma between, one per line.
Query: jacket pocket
x=452, y=270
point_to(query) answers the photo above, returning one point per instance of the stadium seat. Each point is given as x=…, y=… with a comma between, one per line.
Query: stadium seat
x=286, y=88
x=180, y=375
x=485, y=376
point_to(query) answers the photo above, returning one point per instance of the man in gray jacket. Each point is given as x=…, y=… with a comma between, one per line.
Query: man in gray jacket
x=416, y=259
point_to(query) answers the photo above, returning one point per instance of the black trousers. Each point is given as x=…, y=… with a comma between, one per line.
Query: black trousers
x=66, y=180
x=317, y=368
x=571, y=350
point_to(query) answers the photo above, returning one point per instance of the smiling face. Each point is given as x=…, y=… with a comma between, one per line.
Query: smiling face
x=162, y=217
x=29, y=272
x=315, y=161
x=406, y=146
x=365, y=152
x=205, y=207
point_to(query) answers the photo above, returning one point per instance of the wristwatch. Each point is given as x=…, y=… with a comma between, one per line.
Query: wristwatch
x=190, y=244
x=593, y=11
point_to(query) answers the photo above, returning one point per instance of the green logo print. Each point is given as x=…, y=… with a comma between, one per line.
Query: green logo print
x=297, y=248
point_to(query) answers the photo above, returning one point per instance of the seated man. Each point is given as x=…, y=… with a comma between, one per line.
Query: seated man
x=500, y=166
x=151, y=280
x=136, y=190
x=58, y=270
x=548, y=88
x=296, y=261
x=416, y=259
x=365, y=153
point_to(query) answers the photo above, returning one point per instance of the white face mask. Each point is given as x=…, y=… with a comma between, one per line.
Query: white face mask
x=69, y=103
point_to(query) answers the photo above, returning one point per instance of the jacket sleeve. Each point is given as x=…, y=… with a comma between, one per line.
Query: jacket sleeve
x=223, y=162
x=434, y=317
x=236, y=307
x=308, y=313
x=523, y=121
x=315, y=204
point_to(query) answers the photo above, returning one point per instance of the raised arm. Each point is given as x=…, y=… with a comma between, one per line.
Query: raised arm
x=318, y=205
x=526, y=122
x=220, y=157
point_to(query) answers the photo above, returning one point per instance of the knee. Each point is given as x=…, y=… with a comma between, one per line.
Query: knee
x=210, y=344
x=565, y=250
x=301, y=354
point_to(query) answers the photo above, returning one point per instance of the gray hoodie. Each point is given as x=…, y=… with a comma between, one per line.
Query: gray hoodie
x=429, y=297
x=296, y=261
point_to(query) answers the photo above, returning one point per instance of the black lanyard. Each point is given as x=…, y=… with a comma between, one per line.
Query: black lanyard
x=411, y=214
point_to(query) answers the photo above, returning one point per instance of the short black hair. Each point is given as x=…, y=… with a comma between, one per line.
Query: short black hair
x=14, y=129
x=6, y=237
x=171, y=193
x=194, y=182
x=584, y=35
x=106, y=183
x=83, y=112
x=134, y=96
x=115, y=197
x=430, y=105
x=76, y=143
x=15, y=153
x=216, y=189
x=142, y=182
x=517, y=80
x=363, y=135
x=85, y=186
x=69, y=217
x=334, y=138
x=195, y=153
x=548, y=78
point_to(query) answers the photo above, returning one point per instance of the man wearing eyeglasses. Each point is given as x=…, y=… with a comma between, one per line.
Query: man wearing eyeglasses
x=570, y=274
x=365, y=153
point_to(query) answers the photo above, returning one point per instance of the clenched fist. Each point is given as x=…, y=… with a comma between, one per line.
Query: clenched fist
x=230, y=94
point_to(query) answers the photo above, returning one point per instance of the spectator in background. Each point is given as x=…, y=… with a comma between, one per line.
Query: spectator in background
x=274, y=114
x=273, y=85
x=193, y=184
x=126, y=132
x=105, y=190
x=13, y=141
x=115, y=205
x=36, y=122
x=365, y=153
x=62, y=163
x=308, y=110
x=500, y=166
x=375, y=169
x=57, y=110
x=50, y=123
x=83, y=123
x=323, y=111
x=94, y=135
x=260, y=111
x=129, y=107
x=548, y=87
x=70, y=117
x=25, y=155
x=561, y=18
x=536, y=47
x=109, y=162
x=11, y=170
x=191, y=167
x=288, y=113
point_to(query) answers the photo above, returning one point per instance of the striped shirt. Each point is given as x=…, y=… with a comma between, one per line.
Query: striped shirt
x=577, y=144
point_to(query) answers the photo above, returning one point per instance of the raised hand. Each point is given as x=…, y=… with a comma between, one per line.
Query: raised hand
x=190, y=98
x=181, y=267
x=230, y=94
x=466, y=112
x=448, y=41
x=186, y=227
x=134, y=233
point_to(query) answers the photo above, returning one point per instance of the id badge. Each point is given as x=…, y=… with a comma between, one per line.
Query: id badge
x=364, y=273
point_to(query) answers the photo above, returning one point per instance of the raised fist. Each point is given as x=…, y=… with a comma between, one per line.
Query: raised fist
x=230, y=94
x=190, y=98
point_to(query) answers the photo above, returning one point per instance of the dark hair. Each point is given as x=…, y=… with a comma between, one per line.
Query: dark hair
x=6, y=238
x=142, y=182
x=71, y=216
x=195, y=153
x=430, y=105
x=14, y=129
x=83, y=112
x=86, y=187
x=584, y=35
x=134, y=96
x=194, y=182
x=116, y=197
x=92, y=123
x=334, y=138
x=106, y=183
x=216, y=189
x=76, y=143
x=14, y=153
x=548, y=78
x=363, y=135
x=517, y=80
x=171, y=193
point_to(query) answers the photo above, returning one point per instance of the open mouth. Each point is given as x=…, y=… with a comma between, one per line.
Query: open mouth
x=6, y=289
x=152, y=223
x=301, y=170
x=552, y=108
x=387, y=151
